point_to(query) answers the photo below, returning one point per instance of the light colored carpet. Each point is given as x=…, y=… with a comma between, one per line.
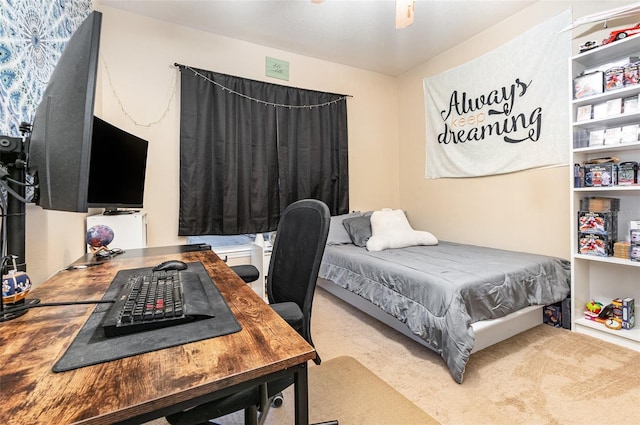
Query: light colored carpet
x=543, y=376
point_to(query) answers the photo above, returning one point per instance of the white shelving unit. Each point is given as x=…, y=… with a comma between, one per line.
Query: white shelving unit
x=260, y=258
x=593, y=277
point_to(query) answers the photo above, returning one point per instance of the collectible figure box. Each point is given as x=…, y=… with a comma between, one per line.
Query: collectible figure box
x=596, y=175
x=599, y=223
x=594, y=244
x=628, y=173
x=580, y=138
x=588, y=84
x=578, y=175
x=631, y=74
x=614, y=107
x=596, y=138
x=630, y=104
x=612, y=136
x=628, y=313
x=634, y=252
x=629, y=133
x=614, y=78
x=552, y=315
x=584, y=113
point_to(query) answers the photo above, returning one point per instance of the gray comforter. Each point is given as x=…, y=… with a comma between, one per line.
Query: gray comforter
x=439, y=291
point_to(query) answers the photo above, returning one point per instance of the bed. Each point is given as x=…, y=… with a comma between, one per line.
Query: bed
x=442, y=294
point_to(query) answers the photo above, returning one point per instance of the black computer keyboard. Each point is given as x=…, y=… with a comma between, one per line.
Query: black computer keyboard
x=156, y=299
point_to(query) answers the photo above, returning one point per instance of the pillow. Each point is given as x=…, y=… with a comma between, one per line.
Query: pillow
x=390, y=229
x=337, y=233
x=359, y=229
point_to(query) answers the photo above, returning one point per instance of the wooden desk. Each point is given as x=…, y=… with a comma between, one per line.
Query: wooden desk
x=143, y=387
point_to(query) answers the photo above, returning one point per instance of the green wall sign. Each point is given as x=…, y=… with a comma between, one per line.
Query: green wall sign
x=277, y=68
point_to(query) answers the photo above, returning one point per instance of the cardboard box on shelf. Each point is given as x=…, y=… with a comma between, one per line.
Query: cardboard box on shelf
x=600, y=203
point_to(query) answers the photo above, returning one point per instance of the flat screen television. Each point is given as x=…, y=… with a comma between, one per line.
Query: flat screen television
x=116, y=168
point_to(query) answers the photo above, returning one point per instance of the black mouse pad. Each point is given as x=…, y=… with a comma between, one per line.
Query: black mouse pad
x=91, y=346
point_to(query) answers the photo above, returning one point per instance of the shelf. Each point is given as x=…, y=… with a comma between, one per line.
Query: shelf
x=621, y=147
x=603, y=97
x=593, y=276
x=609, y=260
x=610, y=121
x=629, y=338
x=609, y=189
x=610, y=52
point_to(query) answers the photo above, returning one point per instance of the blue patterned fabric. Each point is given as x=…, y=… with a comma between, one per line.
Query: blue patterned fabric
x=33, y=34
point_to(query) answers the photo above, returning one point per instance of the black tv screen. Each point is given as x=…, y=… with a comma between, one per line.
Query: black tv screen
x=117, y=168
x=60, y=142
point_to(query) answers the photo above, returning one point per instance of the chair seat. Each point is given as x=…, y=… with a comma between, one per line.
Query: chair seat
x=291, y=314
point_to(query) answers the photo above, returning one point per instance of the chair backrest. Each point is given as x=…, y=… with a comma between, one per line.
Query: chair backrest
x=297, y=253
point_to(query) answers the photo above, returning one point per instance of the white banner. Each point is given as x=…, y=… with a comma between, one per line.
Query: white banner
x=505, y=111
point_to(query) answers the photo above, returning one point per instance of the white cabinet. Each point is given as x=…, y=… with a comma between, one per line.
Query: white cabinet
x=594, y=277
x=260, y=258
x=130, y=230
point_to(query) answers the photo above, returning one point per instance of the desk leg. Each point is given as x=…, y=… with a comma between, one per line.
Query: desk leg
x=301, y=395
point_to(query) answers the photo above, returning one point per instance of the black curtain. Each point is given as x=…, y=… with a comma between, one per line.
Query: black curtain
x=248, y=149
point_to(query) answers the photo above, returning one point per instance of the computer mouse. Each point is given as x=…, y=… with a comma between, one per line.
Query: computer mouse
x=170, y=265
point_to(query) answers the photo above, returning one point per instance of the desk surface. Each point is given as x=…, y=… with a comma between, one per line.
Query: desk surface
x=114, y=391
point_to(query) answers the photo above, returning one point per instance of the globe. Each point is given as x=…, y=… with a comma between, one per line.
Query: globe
x=99, y=236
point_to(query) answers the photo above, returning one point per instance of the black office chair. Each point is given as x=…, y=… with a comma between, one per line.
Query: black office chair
x=246, y=272
x=293, y=271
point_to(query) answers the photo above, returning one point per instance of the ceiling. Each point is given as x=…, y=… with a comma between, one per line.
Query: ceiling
x=358, y=33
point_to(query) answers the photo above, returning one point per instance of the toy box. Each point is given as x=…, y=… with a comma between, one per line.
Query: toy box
x=594, y=244
x=612, y=136
x=634, y=252
x=628, y=313
x=630, y=104
x=630, y=74
x=583, y=113
x=597, y=175
x=614, y=78
x=552, y=315
x=588, y=84
x=628, y=173
x=601, y=223
x=596, y=138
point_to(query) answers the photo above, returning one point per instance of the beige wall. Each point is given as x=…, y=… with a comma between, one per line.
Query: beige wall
x=138, y=91
x=527, y=211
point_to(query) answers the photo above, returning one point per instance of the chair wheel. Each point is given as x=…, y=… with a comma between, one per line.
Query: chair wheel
x=277, y=400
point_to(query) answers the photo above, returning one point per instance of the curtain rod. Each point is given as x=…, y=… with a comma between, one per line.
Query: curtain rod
x=181, y=67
